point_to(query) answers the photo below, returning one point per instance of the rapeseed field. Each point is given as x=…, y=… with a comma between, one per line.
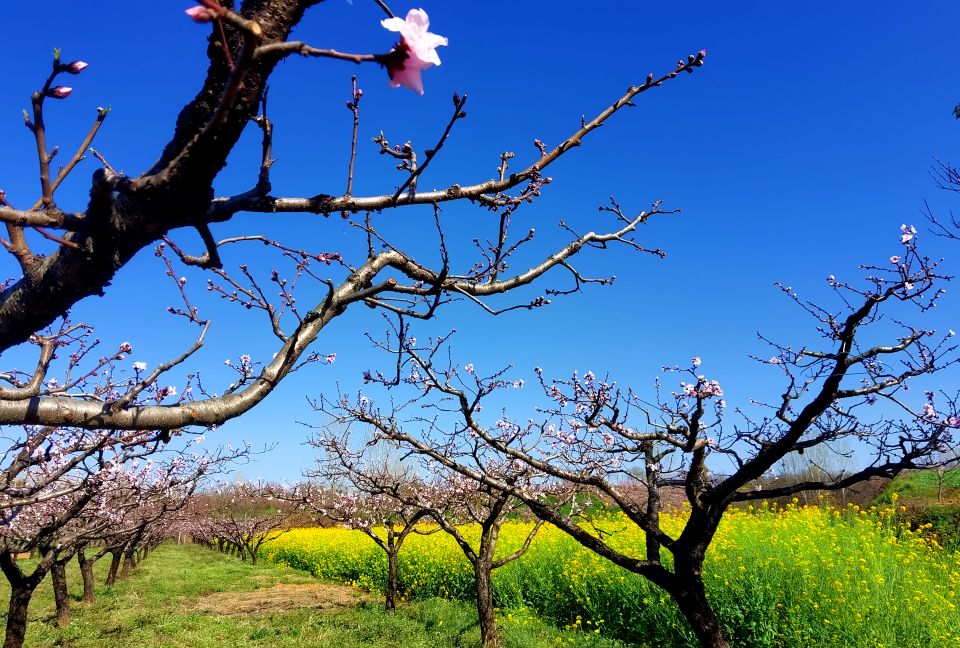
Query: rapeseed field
x=793, y=576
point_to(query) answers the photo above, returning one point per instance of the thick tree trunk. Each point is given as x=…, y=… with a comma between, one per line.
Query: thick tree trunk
x=17, y=616
x=691, y=598
x=86, y=573
x=61, y=594
x=392, y=581
x=489, y=637
x=115, y=558
x=22, y=587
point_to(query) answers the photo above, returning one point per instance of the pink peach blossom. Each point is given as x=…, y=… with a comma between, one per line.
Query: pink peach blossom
x=417, y=46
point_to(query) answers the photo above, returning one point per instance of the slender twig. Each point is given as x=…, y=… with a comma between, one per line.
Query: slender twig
x=135, y=391
x=223, y=43
x=386, y=9
x=39, y=134
x=78, y=156
x=266, y=145
x=283, y=49
x=458, y=103
x=354, y=106
x=106, y=165
x=222, y=209
x=56, y=239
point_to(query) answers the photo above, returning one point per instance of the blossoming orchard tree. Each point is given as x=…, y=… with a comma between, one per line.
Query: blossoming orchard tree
x=383, y=508
x=239, y=518
x=119, y=502
x=450, y=499
x=70, y=407
x=64, y=255
x=876, y=338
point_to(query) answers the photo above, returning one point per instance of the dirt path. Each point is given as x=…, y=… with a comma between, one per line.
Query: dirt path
x=280, y=598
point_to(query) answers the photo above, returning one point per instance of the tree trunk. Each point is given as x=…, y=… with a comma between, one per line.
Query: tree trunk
x=691, y=597
x=17, y=616
x=392, y=581
x=488, y=620
x=86, y=573
x=61, y=595
x=654, y=503
x=128, y=564
x=22, y=587
x=115, y=558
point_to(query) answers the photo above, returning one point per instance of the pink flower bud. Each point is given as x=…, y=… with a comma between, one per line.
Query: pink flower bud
x=200, y=14
x=76, y=67
x=59, y=92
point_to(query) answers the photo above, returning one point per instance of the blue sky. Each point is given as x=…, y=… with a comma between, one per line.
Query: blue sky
x=795, y=152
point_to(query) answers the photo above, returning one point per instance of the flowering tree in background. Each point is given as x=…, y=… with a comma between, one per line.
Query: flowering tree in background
x=452, y=500
x=240, y=517
x=118, y=500
x=378, y=507
x=850, y=387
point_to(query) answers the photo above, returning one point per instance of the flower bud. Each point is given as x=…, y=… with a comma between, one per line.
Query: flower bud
x=59, y=92
x=200, y=14
x=76, y=67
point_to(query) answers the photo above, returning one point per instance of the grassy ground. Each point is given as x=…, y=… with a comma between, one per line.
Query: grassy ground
x=924, y=488
x=190, y=597
x=932, y=500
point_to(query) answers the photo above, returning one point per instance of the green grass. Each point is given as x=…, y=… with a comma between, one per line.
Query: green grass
x=158, y=607
x=920, y=487
x=927, y=504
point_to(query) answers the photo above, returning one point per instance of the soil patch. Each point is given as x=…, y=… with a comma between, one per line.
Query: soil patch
x=281, y=598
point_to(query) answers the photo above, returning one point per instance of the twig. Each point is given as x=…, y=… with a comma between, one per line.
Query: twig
x=56, y=239
x=281, y=50
x=458, y=103
x=78, y=156
x=222, y=208
x=39, y=135
x=266, y=146
x=354, y=106
x=386, y=9
x=106, y=165
x=223, y=43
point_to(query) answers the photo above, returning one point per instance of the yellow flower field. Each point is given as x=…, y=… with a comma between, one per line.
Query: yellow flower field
x=798, y=576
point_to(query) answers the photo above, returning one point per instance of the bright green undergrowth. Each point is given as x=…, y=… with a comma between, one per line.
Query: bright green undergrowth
x=157, y=607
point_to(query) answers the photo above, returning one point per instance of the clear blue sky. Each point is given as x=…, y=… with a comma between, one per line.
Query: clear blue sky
x=794, y=153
